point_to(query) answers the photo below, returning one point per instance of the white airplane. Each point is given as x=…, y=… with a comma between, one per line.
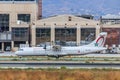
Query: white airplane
x=58, y=51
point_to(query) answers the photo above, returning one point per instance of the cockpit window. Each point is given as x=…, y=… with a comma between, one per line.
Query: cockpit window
x=20, y=50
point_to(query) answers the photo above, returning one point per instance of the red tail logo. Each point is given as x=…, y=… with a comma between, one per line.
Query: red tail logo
x=100, y=41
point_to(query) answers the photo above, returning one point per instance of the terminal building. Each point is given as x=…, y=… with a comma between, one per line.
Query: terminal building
x=21, y=23
x=65, y=30
x=16, y=17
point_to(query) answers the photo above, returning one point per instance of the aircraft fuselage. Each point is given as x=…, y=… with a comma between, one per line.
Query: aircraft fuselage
x=39, y=51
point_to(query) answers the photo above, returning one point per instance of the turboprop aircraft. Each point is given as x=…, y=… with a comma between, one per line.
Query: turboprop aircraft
x=59, y=51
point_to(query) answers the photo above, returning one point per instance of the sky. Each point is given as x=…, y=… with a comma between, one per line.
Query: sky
x=77, y=7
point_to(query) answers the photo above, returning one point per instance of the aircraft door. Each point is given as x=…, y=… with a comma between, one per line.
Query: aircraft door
x=82, y=50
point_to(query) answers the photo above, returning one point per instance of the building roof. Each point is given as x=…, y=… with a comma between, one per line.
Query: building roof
x=70, y=19
x=109, y=16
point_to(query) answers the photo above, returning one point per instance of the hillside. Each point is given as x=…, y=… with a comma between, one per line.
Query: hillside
x=76, y=7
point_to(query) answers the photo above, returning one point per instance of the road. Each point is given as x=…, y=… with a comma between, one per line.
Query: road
x=56, y=64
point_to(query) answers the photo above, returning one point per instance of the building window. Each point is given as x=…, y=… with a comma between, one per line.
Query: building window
x=65, y=36
x=4, y=22
x=42, y=35
x=17, y=43
x=24, y=17
x=87, y=35
x=20, y=34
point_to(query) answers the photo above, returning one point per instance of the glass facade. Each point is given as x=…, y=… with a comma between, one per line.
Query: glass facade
x=42, y=35
x=110, y=20
x=4, y=22
x=17, y=43
x=65, y=36
x=24, y=17
x=20, y=34
x=87, y=35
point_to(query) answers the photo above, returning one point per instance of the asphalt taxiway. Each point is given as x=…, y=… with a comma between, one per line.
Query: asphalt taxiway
x=79, y=63
x=56, y=64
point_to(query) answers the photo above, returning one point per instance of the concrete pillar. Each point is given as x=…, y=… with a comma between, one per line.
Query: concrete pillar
x=97, y=30
x=33, y=35
x=2, y=46
x=12, y=44
x=78, y=35
x=52, y=34
x=13, y=19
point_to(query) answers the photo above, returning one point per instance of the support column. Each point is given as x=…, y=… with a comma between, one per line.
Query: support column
x=2, y=46
x=52, y=34
x=97, y=30
x=12, y=44
x=78, y=36
x=33, y=35
x=13, y=19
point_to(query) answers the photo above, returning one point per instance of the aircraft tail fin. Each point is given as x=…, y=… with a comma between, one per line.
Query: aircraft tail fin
x=100, y=40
